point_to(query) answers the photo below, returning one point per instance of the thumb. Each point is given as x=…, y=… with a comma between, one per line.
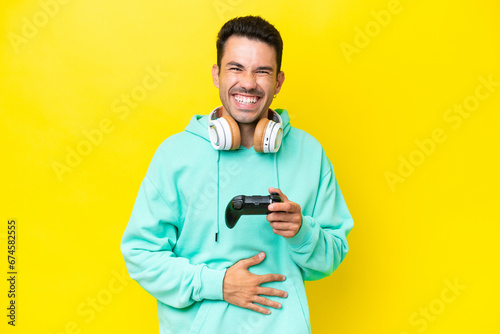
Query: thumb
x=276, y=190
x=254, y=260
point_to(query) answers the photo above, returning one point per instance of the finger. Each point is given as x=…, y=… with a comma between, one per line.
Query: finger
x=285, y=233
x=278, y=217
x=252, y=261
x=283, y=226
x=276, y=190
x=271, y=278
x=284, y=207
x=272, y=292
x=257, y=308
x=284, y=218
x=267, y=302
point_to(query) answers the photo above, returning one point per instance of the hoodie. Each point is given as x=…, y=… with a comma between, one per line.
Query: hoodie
x=177, y=246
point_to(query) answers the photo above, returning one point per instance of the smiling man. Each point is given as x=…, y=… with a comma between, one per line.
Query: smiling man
x=206, y=277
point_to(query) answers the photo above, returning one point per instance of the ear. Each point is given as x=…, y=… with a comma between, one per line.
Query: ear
x=279, y=82
x=215, y=75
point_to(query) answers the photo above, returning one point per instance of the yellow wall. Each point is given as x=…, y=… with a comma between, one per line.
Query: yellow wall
x=404, y=95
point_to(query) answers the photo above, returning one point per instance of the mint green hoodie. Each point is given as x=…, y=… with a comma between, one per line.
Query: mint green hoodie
x=177, y=246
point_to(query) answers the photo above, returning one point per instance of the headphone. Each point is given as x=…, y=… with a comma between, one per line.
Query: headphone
x=225, y=135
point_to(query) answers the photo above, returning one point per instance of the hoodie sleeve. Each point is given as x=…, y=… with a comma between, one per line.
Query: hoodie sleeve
x=321, y=244
x=147, y=246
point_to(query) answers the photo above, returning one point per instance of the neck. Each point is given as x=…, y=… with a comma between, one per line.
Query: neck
x=247, y=132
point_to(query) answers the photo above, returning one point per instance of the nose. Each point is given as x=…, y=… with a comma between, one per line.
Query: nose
x=248, y=81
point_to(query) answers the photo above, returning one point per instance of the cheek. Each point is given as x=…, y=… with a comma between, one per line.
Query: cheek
x=267, y=85
x=228, y=83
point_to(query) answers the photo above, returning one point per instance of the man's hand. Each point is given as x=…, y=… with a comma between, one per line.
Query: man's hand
x=286, y=217
x=242, y=288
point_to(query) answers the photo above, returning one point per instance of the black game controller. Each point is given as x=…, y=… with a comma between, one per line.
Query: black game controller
x=249, y=205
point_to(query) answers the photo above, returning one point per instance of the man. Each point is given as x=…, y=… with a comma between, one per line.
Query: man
x=206, y=277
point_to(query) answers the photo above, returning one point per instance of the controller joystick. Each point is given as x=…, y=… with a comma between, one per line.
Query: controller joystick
x=249, y=205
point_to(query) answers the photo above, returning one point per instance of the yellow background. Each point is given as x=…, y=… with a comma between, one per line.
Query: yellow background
x=65, y=67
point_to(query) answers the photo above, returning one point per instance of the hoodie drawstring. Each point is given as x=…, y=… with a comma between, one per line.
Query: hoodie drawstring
x=218, y=196
x=276, y=170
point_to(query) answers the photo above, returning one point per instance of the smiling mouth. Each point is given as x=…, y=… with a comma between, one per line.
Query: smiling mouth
x=246, y=100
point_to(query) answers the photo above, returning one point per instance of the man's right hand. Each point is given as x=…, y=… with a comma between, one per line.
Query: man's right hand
x=242, y=288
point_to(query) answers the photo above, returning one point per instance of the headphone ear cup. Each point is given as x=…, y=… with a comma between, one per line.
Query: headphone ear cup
x=260, y=135
x=235, y=132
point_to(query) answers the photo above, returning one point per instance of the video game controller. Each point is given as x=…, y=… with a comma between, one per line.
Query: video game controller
x=248, y=205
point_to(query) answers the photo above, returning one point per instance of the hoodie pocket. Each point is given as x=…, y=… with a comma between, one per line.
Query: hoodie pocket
x=221, y=317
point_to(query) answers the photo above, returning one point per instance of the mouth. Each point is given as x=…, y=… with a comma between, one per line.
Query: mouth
x=246, y=101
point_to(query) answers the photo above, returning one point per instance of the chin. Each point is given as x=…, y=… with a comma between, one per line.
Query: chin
x=246, y=116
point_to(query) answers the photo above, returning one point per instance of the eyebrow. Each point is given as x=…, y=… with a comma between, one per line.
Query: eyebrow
x=235, y=64
x=260, y=68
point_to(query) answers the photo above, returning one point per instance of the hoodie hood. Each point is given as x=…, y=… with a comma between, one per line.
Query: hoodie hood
x=198, y=125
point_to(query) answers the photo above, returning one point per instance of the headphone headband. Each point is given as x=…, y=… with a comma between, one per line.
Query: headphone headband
x=274, y=116
x=216, y=113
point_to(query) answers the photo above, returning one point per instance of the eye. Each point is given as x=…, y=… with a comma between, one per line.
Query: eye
x=263, y=72
x=235, y=69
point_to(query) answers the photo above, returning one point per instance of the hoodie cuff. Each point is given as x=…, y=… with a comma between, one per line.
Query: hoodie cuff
x=211, y=283
x=305, y=233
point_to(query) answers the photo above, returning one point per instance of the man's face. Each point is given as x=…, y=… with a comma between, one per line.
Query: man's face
x=247, y=78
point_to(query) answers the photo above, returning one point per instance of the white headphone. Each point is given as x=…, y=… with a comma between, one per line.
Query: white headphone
x=225, y=134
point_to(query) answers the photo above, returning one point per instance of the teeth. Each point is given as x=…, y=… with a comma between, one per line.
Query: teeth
x=245, y=99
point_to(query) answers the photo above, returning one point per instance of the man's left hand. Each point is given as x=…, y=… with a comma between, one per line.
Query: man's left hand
x=286, y=217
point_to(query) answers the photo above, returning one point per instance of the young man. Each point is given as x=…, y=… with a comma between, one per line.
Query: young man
x=206, y=277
